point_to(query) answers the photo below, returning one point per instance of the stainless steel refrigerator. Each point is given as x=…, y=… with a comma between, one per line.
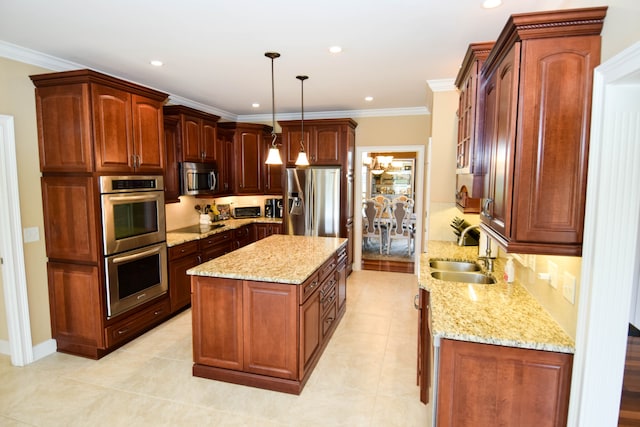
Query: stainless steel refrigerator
x=312, y=201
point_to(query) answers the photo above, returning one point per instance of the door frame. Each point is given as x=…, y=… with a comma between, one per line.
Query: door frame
x=611, y=248
x=418, y=206
x=12, y=250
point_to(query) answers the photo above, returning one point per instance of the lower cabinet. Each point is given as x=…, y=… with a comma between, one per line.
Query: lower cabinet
x=263, y=334
x=267, y=229
x=424, y=346
x=244, y=236
x=182, y=258
x=490, y=385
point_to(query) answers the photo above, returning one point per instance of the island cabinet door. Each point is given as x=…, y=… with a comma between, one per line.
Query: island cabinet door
x=217, y=322
x=270, y=329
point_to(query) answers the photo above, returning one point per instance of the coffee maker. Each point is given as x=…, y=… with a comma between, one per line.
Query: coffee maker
x=273, y=208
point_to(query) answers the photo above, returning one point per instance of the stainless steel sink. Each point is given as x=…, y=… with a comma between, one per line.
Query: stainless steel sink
x=463, y=276
x=454, y=265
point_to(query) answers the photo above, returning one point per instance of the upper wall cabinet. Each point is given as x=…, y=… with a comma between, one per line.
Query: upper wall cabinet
x=470, y=160
x=93, y=122
x=197, y=136
x=537, y=84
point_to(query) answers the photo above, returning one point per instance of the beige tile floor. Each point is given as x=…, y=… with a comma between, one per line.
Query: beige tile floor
x=366, y=376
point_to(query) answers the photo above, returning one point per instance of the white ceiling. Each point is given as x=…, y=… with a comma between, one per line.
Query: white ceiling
x=213, y=50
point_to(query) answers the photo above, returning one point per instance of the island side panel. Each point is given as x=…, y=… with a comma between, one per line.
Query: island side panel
x=217, y=322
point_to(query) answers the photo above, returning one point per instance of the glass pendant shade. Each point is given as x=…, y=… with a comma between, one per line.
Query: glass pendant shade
x=302, y=159
x=273, y=158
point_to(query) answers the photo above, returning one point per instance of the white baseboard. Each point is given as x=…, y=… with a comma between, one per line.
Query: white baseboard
x=4, y=348
x=44, y=349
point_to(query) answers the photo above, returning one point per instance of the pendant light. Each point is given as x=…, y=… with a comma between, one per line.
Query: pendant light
x=273, y=158
x=302, y=156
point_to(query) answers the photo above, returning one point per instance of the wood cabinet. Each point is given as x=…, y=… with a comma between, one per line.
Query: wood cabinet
x=489, y=385
x=197, y=138
x=424, y=346
x=249, y=156
x=225, y=160
x=182, y=258
x=216, y=245
x=263, y=334
x=90, y=124
x=329, y=142
x=469, y=153
x=172, y=169
x=244, y=236
x=537, y=84
x=267, y=229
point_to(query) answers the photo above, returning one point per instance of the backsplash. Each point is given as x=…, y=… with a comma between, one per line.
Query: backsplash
x=184, y=214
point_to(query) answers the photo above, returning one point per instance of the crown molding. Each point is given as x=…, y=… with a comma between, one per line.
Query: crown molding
x=442, y=85
x=33, y=57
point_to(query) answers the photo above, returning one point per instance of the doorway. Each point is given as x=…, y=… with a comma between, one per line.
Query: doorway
x=392, y=179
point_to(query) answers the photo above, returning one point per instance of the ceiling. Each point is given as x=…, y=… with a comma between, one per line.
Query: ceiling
x=213, y=51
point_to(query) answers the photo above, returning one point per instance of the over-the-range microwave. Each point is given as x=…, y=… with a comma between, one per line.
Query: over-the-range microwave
x=198, y=178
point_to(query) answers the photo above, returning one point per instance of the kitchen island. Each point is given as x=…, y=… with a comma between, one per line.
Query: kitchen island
x=499, y=358
x=263, y=314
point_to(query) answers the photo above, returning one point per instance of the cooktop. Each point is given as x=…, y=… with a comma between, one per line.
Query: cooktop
x=198, y=228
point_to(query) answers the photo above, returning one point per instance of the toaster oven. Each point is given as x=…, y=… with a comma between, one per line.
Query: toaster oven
x=246, y=212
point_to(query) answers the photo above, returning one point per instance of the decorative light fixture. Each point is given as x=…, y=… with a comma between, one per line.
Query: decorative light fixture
x=302, y=156
x=273, y=158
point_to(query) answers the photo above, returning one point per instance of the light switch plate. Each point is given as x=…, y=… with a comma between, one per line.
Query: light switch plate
x=569, y=287
x=553, y=274
x=30, y=234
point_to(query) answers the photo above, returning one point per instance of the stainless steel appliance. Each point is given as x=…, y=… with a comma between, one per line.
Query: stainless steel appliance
x=246, y=212
x=312, y=201
x=134, y=234
x=198, y=178
x=273, y=208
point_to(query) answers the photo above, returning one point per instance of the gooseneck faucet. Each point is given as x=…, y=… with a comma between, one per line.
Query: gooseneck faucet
x=464, y=233
x=488, y=261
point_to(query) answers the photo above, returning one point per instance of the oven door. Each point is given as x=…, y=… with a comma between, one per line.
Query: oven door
x=135, y=277
x=132, y=220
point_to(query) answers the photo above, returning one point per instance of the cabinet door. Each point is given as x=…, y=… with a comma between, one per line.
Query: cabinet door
x=291, y=144
x=180, y=282
x=490, y=385
x=217, y=322
x=112, y=120
x=224, y=155
x=310, y=332
x=327, y=145
x=273, y=174
x=271, y=329
x=172, y=153
x=341, y=273
x=64, y=128
x=424, y=346
x=501, y=94
x=72, y=226
x=148, y=139
x=191, y=137
x=209, y=153
x=248, y=171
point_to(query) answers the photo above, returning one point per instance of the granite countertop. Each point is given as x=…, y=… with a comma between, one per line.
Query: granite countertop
x=197, y=231
x=501, y=313
x=277, y=258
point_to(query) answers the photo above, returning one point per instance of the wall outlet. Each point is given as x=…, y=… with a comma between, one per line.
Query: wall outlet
x=553, y=274
x=30, y=234
x=569, y=287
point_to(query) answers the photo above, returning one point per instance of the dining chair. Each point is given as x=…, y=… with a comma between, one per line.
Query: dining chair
x=372, y=227
x=400, y=228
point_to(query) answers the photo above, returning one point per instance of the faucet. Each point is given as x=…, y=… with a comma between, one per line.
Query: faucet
x=464, y=233
x=486, y=259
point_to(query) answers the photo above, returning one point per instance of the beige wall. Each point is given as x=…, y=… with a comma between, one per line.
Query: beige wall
x=17, y=100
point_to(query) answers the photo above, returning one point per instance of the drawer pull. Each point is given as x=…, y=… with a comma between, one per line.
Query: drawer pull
x=415, y=302
x=123, y=331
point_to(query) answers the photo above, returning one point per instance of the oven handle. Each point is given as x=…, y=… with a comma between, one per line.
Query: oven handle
x=117, y=260
x=133, y=198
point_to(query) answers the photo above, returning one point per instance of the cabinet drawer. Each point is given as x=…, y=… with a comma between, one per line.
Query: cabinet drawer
x=133, y=325
x=327, y=268
x=329, y=318
x=328, y=296
x=215, y=239
x=342, y=254
x=308, y=288
x=185, y=249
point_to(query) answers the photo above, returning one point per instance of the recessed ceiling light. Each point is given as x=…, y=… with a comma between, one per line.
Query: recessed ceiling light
x=255, y=105
x=368, y=98
x=490, y=4
x=156, y=63
x=335, y=49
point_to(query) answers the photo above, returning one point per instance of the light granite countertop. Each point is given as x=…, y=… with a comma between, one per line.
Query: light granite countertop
x=178, y=237
x=501, y=313
x=277, y=258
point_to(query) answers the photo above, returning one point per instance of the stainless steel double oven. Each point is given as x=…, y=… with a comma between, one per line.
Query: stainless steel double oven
x=134, y=236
